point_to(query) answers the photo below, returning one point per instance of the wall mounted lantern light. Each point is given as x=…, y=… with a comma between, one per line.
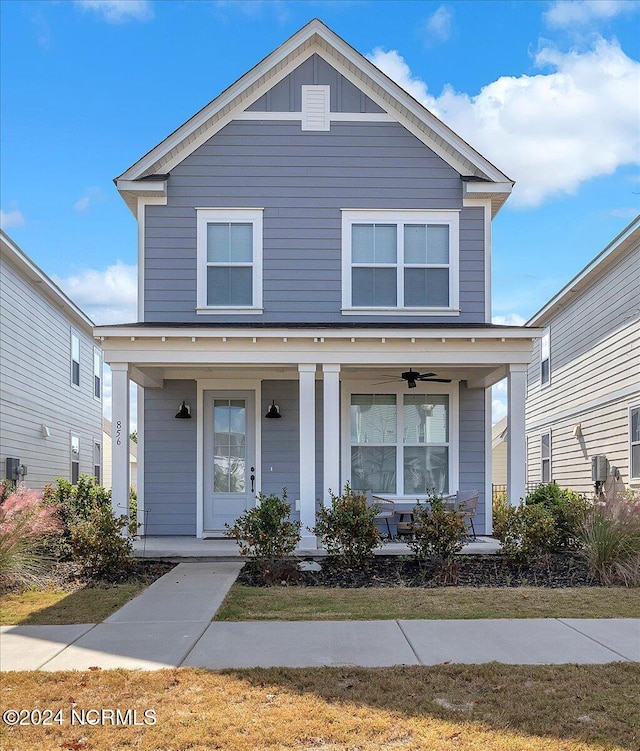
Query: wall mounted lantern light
x=184, y=413
x=274, y=411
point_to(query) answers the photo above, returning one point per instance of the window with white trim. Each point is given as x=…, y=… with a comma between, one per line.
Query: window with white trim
x=400, y=261
x=75, y=359
x=545, y=457
x=634, y=442
x=97, y=462
x=75, y=459
x=229, y=260
x=97, y=373
x=545, y=358
x=400, y=443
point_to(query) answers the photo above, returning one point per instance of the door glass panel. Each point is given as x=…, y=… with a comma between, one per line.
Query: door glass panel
x=230, y=436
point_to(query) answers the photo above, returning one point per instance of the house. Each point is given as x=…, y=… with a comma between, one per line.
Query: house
x=499, y=440
x=584, y=381
x=312, y=244
x=50, y=378
x=107, y=461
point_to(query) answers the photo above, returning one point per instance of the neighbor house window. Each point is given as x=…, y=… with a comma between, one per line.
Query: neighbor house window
x=545, y=457
x=97, y=373
x=404, y=261
x=545, y=358
x=634, y=448
x=75, y=359
x=400, y=443
x=97, y=462
x=75, y=459
x=229, y=260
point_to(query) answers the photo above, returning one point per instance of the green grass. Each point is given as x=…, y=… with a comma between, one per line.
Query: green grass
x=52, y=607
x=320, y=603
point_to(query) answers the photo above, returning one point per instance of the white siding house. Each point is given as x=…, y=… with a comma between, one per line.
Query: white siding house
x=50, y=377
x=584, y=382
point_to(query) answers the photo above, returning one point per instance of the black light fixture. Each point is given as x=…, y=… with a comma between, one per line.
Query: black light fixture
x=274, y=410
x=184, y=413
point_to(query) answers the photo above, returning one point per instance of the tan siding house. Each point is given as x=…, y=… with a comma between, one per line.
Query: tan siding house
x=499, y=453
x=583, y=396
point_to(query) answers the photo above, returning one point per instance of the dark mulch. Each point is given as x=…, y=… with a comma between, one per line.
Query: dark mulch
x=555, y=570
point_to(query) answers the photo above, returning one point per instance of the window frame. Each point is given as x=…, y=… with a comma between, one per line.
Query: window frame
x=74, y=337
x=75, y=458
x=546, y=459
x=635, y=479
x=401, y=218
x=351, y=387
x=97, y=373
x=546, y=337
x=97, y=461
x=206, y=216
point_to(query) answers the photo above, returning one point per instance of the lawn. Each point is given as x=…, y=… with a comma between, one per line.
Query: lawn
x=481, y=708
x=380, y=603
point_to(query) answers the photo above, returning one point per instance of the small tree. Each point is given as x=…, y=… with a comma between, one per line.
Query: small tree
x=347, y=528
x=437, y=535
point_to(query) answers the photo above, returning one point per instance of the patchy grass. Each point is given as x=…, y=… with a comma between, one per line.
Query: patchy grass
x=37, y=607
x=469, y=707
x=379, y=603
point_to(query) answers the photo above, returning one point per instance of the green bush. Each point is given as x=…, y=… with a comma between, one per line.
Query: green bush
x=265, y=532
x=610, y=537
x=436, y=532
x=347, y=528
x=98, y=544
x=526, y=532
x=501, y=513
x=568, y=508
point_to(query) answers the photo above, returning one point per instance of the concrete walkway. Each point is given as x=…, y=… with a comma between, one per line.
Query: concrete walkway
x=169, y=625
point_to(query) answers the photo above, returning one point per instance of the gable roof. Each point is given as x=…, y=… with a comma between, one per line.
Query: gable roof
x=626, y=241
x=148, y=175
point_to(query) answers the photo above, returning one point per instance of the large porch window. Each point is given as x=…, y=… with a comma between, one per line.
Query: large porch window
x=400, y=443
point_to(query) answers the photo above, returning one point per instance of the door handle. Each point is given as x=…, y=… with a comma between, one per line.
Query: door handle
x=253, y=480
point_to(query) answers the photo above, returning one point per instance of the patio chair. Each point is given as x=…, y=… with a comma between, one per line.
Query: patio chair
x=466, y=504
x=386, y=508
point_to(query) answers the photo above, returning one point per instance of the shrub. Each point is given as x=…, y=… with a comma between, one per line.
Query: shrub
x=610, y=536
x=437, y=534
x=24, y=523
x=526, y=532
x=266, y=533
x=501, y=513
x=347, y=528
x=98, y=544
x=568, y=508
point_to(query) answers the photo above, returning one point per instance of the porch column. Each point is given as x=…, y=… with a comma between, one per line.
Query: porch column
x=331, y=430
x=120, y=438
x=307, y=375
x=516, y=443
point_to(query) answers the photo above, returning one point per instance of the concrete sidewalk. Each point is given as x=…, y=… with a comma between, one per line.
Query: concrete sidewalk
x=169, y=625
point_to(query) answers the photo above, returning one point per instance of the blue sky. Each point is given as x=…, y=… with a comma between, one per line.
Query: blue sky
x=548, y=91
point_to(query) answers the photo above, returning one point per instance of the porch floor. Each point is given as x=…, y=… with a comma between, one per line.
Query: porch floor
x=219, y=549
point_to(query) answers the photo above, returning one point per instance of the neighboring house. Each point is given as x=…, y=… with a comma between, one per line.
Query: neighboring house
x=50, y=377
x=310, y=235
x=107, y=461
x=499, y=439
x=584, y=381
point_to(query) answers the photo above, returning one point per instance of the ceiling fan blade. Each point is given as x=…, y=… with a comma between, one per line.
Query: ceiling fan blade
x=381, y=383
x=436, y=380
x=425, y=375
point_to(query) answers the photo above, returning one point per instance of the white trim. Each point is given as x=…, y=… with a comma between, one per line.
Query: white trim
x=400, y=218
x=331, y=429
x=249, y=216
x=635, y=480
x=140, y=457
x=97, y=351
x=516, y=449
x=120, y=454
x=307, y=441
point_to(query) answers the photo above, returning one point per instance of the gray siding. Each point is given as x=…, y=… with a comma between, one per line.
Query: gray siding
x=35, y=383
x=302, y=180
x=170, y=460
x=472, y=447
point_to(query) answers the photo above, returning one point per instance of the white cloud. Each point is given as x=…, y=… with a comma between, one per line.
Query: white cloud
x=569, y=13
x=107, y=399
x=92, y=195
x=438, y=26
x=629, y=213
x=81, y=205
x=108, y=296
x=499, y=401
x=511, y=319
x=119, y=11
x=11, y=218
x=550, y=132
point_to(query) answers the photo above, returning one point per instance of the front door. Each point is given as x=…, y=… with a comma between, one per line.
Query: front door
x=229, y=457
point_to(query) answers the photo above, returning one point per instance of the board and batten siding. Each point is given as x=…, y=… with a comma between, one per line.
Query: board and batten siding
x=35, y=384
x=302, y=180
x=595, y=377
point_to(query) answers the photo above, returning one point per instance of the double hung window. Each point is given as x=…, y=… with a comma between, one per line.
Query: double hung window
x=545, y=358
x=400, y=261
x=75, y=359
x=75, y=459
x=400, y=443
x=634, y=443
x=229, y=260
x=97, y=373
x=545, y=457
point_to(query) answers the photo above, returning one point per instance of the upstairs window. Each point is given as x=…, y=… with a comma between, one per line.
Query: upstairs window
x=75, y=459
x=229, y=260
x=97, y=373
x=545, y=358
x=634, y=442
x=75, y=359
x=400, y=261
x=545, y=457
x=97, y=462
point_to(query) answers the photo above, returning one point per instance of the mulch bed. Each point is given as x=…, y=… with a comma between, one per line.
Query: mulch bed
x=555, y=570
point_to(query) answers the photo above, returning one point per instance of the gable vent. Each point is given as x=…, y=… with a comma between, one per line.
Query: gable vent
x=315, y=107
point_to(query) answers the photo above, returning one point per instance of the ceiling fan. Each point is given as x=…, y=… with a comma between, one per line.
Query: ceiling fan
x=412, y=376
